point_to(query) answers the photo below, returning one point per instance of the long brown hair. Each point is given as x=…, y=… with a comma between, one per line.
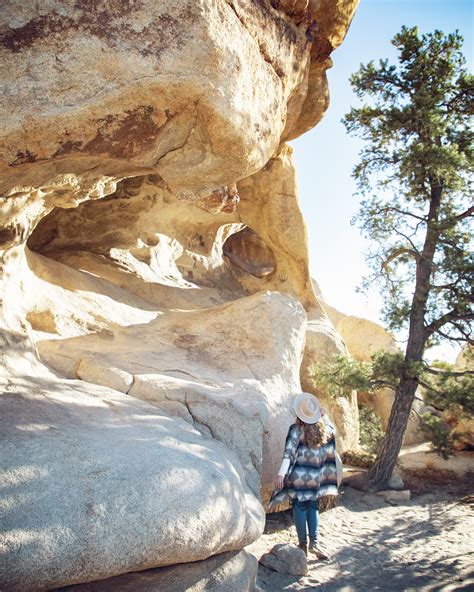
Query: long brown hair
x=315, y=434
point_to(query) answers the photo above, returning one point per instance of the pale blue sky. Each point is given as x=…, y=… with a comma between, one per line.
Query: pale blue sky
x=325, y=156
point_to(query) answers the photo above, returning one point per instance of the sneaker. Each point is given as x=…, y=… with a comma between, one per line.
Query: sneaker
x=303, y=547
x=316, y=549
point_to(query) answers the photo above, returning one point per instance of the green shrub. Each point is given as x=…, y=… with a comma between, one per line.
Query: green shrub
x=371, y=431
x=439, y=433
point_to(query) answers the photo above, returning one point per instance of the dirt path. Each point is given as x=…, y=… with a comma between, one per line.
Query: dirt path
x=425, y=544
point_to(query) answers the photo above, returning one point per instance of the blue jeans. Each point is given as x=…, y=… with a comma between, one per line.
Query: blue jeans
x=306, y=512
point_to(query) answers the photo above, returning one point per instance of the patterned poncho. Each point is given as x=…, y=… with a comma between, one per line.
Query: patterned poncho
x=312, y=472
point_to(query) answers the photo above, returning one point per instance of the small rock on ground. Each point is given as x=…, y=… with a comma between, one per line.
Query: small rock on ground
x=286, y=559
x=395, y=497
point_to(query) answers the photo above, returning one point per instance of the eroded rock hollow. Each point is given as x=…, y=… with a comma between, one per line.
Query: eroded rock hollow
x=157, y=311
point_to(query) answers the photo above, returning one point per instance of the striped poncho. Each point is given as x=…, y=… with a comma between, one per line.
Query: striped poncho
x=312, y=473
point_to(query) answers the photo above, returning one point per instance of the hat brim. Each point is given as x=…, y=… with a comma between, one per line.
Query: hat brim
x=298, y=408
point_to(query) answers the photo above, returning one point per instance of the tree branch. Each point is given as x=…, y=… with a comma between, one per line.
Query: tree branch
x=461, y=328
x=465, y=339
x=407, y=238
x=431, y=370
x=452, y=315
x=396, y=253
x=376, y=384
x=453, y=103
x=429, y=387
x=452, y=286
x=386, y=209
x=451, y=221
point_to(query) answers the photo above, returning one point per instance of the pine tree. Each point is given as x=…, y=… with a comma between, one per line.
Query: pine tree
x=415, y=173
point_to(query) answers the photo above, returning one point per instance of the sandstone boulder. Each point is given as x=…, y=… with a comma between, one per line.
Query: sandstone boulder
x=246, y=250
x=181, y=260
x=463, y=430
x=200, y=93
x=395, y=497
x=235, y=386
x=419, y=460
x=322, y=343
x=286, y=559
x=461, y=421
x=269, y=206
x=134, y=131
x=396, y=481
x=228, y=572
x=97, y=483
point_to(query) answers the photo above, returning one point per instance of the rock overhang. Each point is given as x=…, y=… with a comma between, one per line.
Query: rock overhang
x=155, y=132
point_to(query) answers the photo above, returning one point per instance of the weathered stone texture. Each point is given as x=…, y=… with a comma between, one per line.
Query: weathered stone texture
x=152, y=247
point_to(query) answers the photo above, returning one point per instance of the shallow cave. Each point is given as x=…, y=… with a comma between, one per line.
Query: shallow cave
x=247, y=251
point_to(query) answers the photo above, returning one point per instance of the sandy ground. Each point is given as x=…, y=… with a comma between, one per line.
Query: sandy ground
x=426, y=543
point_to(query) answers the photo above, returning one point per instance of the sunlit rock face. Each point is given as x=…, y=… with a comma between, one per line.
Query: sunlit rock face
x=201, y=93
x=322, y=344
x=155, y=292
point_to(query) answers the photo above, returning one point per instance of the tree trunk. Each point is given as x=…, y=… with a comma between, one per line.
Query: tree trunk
x=382, y=469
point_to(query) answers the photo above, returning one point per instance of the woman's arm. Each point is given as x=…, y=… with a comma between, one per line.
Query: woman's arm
x=280, y=478
x=285, y=465
x=291, y=445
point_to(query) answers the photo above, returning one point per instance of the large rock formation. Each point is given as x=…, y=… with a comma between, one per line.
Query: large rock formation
x=152, y=246
x=99, y=483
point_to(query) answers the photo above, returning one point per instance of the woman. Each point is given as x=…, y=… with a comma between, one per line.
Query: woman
x=309, y=463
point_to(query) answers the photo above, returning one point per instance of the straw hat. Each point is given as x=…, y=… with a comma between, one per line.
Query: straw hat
x=307, y=408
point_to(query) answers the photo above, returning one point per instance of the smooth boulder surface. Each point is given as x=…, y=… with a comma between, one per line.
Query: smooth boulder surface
x=227, y=572
x=286, y=559
x=97, y=483
x=201, y=93
x=232, y=384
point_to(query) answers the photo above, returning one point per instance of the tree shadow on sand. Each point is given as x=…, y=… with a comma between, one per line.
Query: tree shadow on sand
x=387, y=557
